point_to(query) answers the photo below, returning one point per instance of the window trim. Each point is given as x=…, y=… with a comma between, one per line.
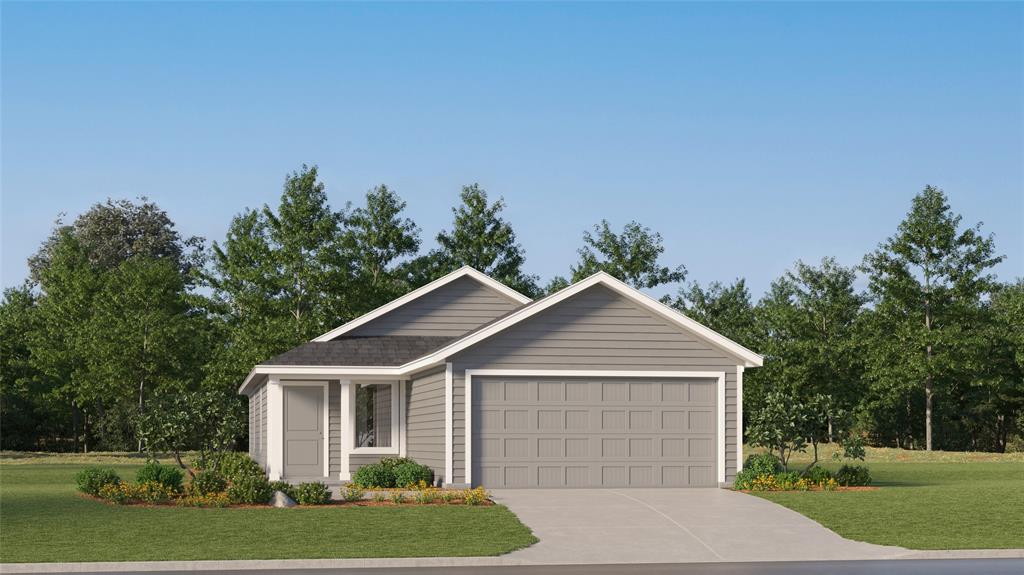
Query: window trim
x=396, y=426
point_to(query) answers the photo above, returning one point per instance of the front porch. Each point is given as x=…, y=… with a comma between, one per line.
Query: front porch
x=321, y=428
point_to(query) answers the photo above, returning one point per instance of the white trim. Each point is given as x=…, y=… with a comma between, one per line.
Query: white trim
x=347, y=429
x=449, y=424
x=397, y=303
x=402, y=424
x=721, y=429
x=719, y=376
x=739, y=418
x=275, y=428
x=392, y=449
x=750, y=358
x=327, y=429
x=364, y=372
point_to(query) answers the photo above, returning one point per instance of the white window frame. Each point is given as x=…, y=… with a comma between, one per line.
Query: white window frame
x=397, y=425
x=717, y=375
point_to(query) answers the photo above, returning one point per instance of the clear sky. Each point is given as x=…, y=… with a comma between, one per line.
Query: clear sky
x=749, y=135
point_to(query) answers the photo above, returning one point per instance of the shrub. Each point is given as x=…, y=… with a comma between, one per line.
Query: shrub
x=428, y=495
x=352, y=492
x=818, y=474
x=762, y=464
x=744, y=479
x=166, y=475
x=254, y=489
x=206, y=482
x=447, y=497
x=284, y=487
x=312, y=493
x=408, y=473
x=475, y=496
x=764, y=483
x=236, y=466
x=397, y=498
x=209, y=500
x=91, y=479
x=374, y=475
x=853, y=475
x=379, y=497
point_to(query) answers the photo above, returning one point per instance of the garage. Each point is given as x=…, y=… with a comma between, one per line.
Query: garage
x=638, y=431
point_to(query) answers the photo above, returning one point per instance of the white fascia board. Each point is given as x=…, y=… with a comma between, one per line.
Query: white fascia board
x=416, y=293
x=749, y=358
x=364, y=372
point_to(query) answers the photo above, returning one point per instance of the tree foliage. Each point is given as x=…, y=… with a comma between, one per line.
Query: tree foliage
x=632, y=256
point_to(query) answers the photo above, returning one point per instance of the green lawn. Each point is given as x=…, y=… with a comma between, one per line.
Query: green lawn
x=42, y=519
x=936, y=500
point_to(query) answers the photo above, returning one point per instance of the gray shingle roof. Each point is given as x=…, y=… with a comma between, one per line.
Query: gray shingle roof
x=391, y=350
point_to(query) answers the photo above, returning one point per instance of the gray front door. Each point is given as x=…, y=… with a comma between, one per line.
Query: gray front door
x=303, y=431
x=594, y=432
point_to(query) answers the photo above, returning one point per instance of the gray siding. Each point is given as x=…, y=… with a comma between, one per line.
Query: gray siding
x=258, y=425
x=424, y=439
x=596, y=329
x=451, y=310
x=334, y=428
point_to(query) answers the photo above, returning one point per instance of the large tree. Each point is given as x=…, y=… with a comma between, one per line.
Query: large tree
x=632, y=256
x=926, y=283
x=281, y=277
x=806, y=327
x=482, y=239
x=726, y=309
x=379, y=239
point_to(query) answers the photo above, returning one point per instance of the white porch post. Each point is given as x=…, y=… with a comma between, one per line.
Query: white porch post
x=347, y=428
x=275, y=428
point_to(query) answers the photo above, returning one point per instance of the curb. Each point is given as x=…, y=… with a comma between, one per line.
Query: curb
x=271, y=565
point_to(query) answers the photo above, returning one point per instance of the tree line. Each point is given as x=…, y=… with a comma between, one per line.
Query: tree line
x=123, y=319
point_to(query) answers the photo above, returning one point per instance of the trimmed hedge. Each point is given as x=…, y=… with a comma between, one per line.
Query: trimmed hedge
x=855, y=475
x=392, y=472
x=312, y=493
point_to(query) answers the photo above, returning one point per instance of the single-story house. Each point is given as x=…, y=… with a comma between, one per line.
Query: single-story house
x=597, y=385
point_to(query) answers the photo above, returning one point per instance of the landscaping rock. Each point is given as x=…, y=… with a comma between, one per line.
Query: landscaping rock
x=281, y=499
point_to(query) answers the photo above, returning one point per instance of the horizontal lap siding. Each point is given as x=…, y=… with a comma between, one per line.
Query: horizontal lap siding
x=258, y=425
x=450, y=310
x=424, y=439
x=334, y=427
x=596, y=329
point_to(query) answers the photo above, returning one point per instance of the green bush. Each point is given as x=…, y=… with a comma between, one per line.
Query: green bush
x=312, y=493
x=374, y=475
x=853, y=475
x=352, y=492
x=91, y=479
x=235, y=465
x=744, y=479
x=409, y=472
x=818, y=474
x=762, y=464
x=392, y=472
x=284, y=487
x=254, y=489
x=207, y=482
x=167, y=475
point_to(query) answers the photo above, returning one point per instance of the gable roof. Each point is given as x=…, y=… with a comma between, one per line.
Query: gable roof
x=749, y=358
x=388, y=350
x=464, y=271
x=443, y=350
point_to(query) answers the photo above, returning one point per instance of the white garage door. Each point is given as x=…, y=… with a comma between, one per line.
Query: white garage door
x=587, y=432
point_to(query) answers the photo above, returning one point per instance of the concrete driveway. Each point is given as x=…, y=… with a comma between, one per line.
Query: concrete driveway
x=672, y=526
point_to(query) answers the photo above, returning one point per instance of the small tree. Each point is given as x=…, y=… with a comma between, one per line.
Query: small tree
x=785, y=425
x=205, y=420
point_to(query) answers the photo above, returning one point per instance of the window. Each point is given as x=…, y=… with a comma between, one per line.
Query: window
x=374, y=412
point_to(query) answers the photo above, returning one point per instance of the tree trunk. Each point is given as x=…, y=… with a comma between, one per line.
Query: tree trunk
x=928, y=393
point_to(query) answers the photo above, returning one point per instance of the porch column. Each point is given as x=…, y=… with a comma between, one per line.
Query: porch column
x=275, y=428
x=347, y=428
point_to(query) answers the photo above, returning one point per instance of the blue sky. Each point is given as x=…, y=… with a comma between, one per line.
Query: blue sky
x=749, y=135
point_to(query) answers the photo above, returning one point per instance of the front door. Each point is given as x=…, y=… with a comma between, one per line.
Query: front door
x=303, y=431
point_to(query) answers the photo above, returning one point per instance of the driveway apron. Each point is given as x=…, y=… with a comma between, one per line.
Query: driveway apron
x=672, y=526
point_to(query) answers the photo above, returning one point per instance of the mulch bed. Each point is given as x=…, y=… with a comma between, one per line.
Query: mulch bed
x=333, y=503
x=836, y=490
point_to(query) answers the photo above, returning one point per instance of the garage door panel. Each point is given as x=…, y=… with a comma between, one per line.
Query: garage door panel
x=547, y=432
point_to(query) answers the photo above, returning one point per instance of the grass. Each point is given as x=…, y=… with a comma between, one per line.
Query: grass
x=43, y=519
x=937, y=500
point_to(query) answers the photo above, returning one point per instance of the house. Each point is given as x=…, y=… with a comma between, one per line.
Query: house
x=597, y=385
